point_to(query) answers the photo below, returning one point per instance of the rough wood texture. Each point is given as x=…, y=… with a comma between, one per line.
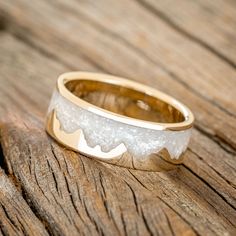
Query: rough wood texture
x=64, y=193
x=16, y=216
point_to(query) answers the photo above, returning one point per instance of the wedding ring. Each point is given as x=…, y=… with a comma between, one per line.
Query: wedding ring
x=119, y=121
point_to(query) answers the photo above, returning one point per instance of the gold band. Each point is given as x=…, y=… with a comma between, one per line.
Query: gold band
x=119, y=121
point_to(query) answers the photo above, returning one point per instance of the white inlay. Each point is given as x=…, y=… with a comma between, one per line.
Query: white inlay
x=108, y=133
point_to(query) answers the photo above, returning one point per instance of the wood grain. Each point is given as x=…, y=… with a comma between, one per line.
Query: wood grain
x=16, y=216
x=70, y=194
x=210, y=24
x=160, y=69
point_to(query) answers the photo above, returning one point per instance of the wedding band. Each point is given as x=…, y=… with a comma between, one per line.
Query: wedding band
x=119, y=121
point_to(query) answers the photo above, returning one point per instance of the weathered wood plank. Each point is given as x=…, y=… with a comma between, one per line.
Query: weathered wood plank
x=209, y=118
x=53, y=179
x=75, y=194
x=209, y=23
x=157, y=45
x=16, y=217
x=108, y=36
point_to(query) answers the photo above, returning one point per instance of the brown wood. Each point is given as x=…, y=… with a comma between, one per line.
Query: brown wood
x=208, y=23
x=63, y=193
x=16, y=216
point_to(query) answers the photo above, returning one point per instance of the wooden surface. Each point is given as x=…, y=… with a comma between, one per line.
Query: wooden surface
x=185, y=48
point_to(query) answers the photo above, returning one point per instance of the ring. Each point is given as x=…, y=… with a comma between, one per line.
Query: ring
x=119, y=121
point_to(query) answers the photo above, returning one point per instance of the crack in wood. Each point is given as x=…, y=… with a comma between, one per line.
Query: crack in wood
x=11, y=221
x=156, y=12
x=217, y=172
x=24, y=39
x=20, y=34
x=104, y=183
x=233, y=185
x=213, y=189
x=134, y=197
x=36, y=213
x=227, y=146
x=94, y=177
x=17, y=212
x=142, y=54
x=2, y=161
x=169, y=224
x=166, y=203
x=146, y=224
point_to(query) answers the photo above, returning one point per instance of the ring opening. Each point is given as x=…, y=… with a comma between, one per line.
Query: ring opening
x=125, y=101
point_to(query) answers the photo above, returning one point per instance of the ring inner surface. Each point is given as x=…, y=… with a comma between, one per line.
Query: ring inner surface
x=125, y=101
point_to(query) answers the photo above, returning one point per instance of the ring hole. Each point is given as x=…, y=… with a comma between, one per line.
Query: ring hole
x=125, y=101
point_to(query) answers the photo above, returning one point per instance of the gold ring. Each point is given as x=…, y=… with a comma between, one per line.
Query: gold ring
x=119, y=121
